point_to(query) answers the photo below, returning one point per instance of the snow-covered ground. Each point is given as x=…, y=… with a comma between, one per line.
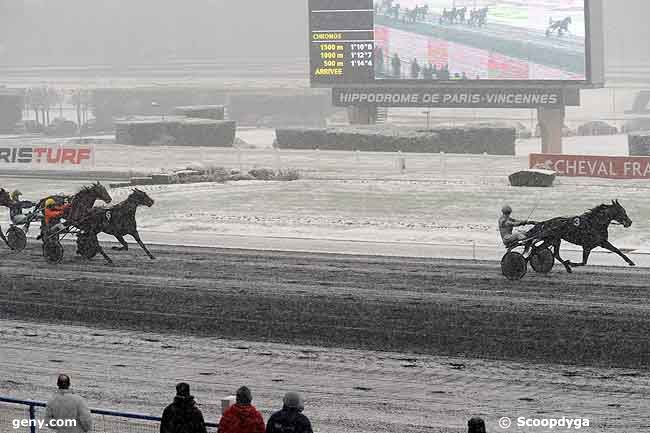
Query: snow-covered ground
x=439, y=199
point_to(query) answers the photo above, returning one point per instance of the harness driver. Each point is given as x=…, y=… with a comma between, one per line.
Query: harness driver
x=507, y=224
x=16, y=208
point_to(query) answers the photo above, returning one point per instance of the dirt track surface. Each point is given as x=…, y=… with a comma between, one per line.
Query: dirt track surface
x=347, y=391
x=595, y=317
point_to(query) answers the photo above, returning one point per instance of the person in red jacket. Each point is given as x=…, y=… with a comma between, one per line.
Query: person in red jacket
x=242, y=417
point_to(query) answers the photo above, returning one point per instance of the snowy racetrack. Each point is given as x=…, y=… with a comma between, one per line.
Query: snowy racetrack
x=594, y=317
x=379, y=331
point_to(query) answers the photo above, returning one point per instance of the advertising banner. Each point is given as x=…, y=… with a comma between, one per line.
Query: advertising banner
x=60, y=155
x=454, y=97
x=610, y=167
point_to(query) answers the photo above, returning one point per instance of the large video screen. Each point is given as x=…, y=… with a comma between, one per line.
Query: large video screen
x=366, y=41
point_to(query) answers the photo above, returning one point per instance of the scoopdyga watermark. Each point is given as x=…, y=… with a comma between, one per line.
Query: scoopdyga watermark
x=563, y=423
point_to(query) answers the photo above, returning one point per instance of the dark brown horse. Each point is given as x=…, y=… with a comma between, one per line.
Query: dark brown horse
x=589, y=230
x=121, y=220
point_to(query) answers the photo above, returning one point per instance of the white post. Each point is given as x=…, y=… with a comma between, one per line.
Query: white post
x=401, y=162
x=357, y=156
x=318, y=164
x=485, y=167
x=443, y=168
x=276, y=159
x=239, y=160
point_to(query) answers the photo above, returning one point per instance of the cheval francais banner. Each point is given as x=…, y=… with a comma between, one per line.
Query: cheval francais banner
x=609, y=167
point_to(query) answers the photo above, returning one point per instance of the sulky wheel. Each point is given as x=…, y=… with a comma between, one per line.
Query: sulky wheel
x=16, y=239
x=514, y=266
x=53, y=251
x=87, y=245
x=542, y=260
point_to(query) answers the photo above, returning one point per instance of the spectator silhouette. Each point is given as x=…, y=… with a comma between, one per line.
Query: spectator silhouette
x=415, y=69
x=68, y=406
x=182, y=416
x=427, y=72
x=396, y=64
x=476, y=425
x=379, y=60
x=290, y=419
x=242, y=417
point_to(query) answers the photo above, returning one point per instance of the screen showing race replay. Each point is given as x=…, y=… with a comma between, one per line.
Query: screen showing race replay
x=383, y=41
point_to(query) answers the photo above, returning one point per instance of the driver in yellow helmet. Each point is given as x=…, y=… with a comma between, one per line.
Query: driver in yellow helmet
x=53, y=213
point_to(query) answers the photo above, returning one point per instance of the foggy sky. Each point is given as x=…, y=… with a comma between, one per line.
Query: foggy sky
x=124, y=32
x=62, y=32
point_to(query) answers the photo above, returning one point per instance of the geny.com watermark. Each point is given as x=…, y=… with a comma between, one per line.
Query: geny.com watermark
x=41, y=423
x=544, y=423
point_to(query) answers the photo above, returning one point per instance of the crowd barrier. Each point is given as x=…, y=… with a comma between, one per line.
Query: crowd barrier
x=104, y=421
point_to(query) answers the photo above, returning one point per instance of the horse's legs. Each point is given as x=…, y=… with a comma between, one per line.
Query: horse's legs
x=2, y=235
x=612, y=248
x=101, y=250
x=136, y=236
x=556, y=248
x=585, y=257
x=124, y=247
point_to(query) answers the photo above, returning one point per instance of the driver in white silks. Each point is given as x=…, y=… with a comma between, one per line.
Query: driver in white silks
x=17, y=206
x=507, y=224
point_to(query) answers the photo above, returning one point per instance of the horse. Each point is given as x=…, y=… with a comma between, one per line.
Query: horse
x=395, y=12
x=421, y=12
x=448, y=16
x=589, y=230
x=478, y=17
x=80, y=214
x=85, y=199
x=460, y=14
x=561, y=26
x=120, y=220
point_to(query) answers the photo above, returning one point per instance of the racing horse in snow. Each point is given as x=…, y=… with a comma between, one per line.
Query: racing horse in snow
x=78, y=219
x=589, y=230
x=120, y=220
x=559, y=26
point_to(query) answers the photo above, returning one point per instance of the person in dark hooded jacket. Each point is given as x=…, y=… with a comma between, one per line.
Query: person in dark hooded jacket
x=242, y=417
x=182, y=416
x=476, y=425
x=290, y=419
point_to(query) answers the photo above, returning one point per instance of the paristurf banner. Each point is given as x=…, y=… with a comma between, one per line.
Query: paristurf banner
x=58, y=155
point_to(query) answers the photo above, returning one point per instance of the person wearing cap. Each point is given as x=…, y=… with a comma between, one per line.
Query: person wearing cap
x=290, y=419
x=476, y=425
x=242, y=417
x=507, y=224
x=66, y=406
x=52, y=214
x=182, y=416
x=16, y=208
